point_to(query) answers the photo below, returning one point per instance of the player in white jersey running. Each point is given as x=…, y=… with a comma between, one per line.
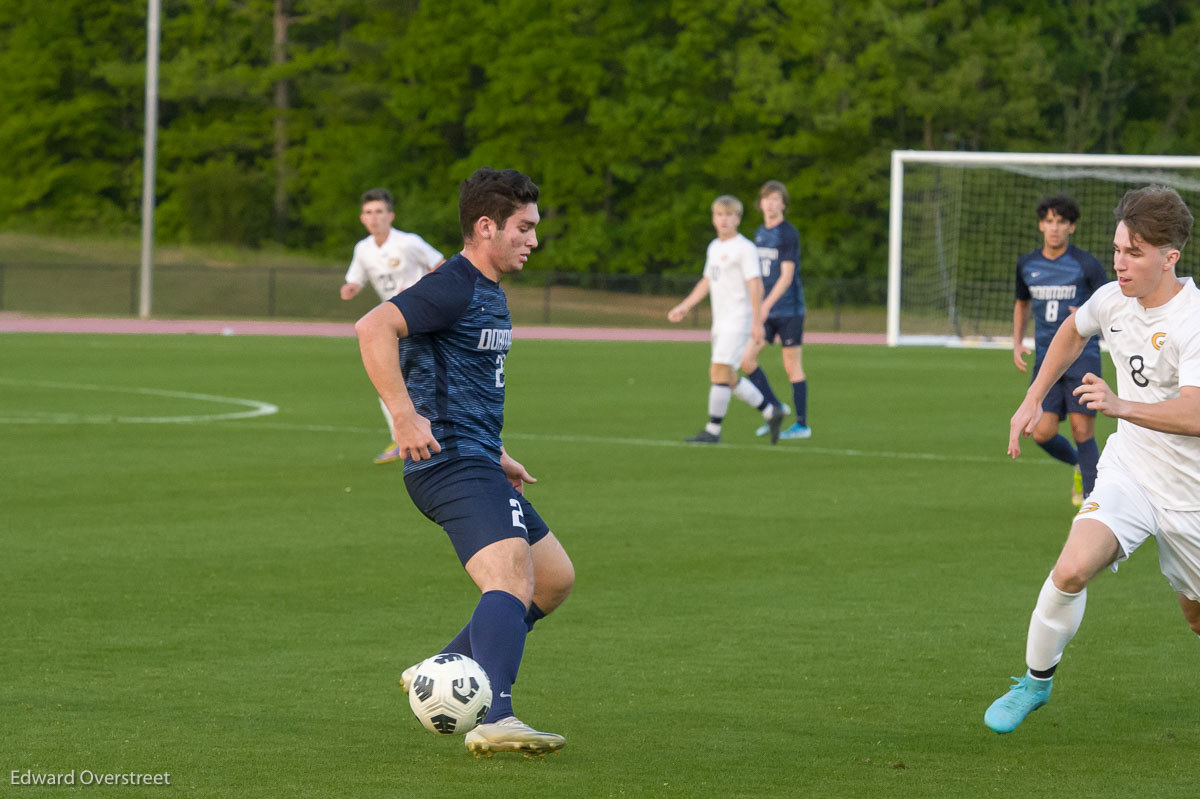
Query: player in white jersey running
x=734, y=284
x=391, y=260
x=1149, y=474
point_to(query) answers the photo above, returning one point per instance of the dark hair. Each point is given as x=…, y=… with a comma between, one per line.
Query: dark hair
x=377, y=195
x=494, y=193
x=776, y=187
x=1060, y=204
x=1157, y=215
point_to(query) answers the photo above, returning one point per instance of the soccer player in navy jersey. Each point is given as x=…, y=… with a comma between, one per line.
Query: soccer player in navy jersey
x=1053, y=281
x=444, y=385
x=778, y=244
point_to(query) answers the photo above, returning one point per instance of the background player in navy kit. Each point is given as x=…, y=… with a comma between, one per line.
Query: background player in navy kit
x=1051, y=283
x=778, y=244
x=444, y=386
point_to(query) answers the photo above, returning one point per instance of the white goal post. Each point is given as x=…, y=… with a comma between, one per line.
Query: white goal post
x=958, y=221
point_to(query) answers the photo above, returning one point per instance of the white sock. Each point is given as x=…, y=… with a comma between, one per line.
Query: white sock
x=1055, y=620
x=718, y=406
x=388, y=416
x=748, y=393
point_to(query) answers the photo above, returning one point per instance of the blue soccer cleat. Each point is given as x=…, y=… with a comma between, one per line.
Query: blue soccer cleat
x=1026, y=696
x=797, y=430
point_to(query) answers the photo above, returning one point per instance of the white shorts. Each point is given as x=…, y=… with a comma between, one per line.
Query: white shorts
x=1120, y=503
x=729, y=344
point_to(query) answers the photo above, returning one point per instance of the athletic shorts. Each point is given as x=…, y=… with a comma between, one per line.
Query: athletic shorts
x=789, y=329
x=729, y=345
x=1121, y=504
x=1061, y=399
x=474, y=503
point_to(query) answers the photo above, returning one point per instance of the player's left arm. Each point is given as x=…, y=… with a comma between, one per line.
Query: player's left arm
x=755, y=288
x=1180, y=415
x=517, y=474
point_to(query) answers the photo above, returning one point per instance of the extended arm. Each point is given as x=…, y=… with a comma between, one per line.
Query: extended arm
x=1062, y=352
x=1180, y=415
x=698, y=293
x=377, y=333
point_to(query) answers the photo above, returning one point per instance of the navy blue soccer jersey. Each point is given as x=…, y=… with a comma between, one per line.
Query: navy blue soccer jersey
x=776, y=245
x=1056, y=286
x=459, y=333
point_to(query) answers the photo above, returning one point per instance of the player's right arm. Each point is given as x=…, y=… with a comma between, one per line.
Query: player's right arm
x=356, y=277
x=1021, y=311
x=1062, y=352
x=787, y=271
x=681, y=310
x=377, y=333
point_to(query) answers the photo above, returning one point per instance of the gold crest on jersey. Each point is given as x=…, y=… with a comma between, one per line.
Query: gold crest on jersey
x=1157, y=340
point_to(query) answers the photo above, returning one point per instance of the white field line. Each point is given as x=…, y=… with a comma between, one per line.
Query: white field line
x=255, y=408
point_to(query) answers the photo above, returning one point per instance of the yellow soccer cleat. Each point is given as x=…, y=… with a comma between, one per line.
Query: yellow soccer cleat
x=1077, y=489
x=512, y=735
x=389, y=455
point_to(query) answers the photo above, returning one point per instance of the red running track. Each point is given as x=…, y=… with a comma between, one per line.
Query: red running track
x=11, y=322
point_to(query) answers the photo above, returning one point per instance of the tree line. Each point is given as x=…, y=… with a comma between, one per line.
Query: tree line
x=276, y=114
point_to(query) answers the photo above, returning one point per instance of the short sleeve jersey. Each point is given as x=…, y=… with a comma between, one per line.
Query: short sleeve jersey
x=459, y=333
x=776, y=245
x=1056, y=285
x=402, y=260
x=728, y=264
x=1155, y=351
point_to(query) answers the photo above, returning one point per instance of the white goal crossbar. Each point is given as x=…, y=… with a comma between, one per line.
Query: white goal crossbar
x=1059, y=163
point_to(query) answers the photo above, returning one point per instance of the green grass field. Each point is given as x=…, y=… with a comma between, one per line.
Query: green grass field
x=232, y=601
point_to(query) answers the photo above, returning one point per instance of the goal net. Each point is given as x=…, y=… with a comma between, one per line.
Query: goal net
x=959, y=221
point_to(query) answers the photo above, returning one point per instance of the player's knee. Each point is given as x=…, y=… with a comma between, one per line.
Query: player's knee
x=1191, y=612
x=1070, y=578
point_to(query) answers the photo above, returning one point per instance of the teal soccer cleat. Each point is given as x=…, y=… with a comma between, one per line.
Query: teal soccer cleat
x=1026, y=696
x=797, y=430
x=765, y=429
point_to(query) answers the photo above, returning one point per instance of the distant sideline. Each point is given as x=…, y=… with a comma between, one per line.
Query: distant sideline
x=15, y=322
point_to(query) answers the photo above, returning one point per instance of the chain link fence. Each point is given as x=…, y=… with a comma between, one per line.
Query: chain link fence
x=535, y=297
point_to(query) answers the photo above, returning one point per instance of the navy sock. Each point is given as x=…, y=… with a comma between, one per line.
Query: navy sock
x=461, y=643
x=1089, y=455
x=759, y=378
x=800, y=398
x=498, y=640
x=531, y=618
x=1061, y=449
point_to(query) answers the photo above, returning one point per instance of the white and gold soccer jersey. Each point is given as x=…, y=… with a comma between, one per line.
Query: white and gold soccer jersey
x=1154, y=351
x=728, y=265
x=402, y=260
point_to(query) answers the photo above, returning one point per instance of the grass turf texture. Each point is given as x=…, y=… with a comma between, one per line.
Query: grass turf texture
x=233, y=602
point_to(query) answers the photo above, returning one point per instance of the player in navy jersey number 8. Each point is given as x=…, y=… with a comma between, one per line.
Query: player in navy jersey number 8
x=435, y=353
x=1053, y=281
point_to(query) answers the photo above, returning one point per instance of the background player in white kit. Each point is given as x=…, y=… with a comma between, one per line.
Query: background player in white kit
x=1149, y=476
x=733, y=279
x=391, y=260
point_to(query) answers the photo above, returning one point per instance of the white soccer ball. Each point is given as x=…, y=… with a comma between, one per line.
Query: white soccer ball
x=450, y=694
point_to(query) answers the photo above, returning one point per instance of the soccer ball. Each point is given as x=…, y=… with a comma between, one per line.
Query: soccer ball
x=450, y=694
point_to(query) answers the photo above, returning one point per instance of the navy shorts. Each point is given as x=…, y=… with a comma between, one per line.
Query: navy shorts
x=790, y=330
x=1061, y=400
x=474, y=503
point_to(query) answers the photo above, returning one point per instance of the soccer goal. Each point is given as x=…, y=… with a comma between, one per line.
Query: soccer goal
x=959, y=221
